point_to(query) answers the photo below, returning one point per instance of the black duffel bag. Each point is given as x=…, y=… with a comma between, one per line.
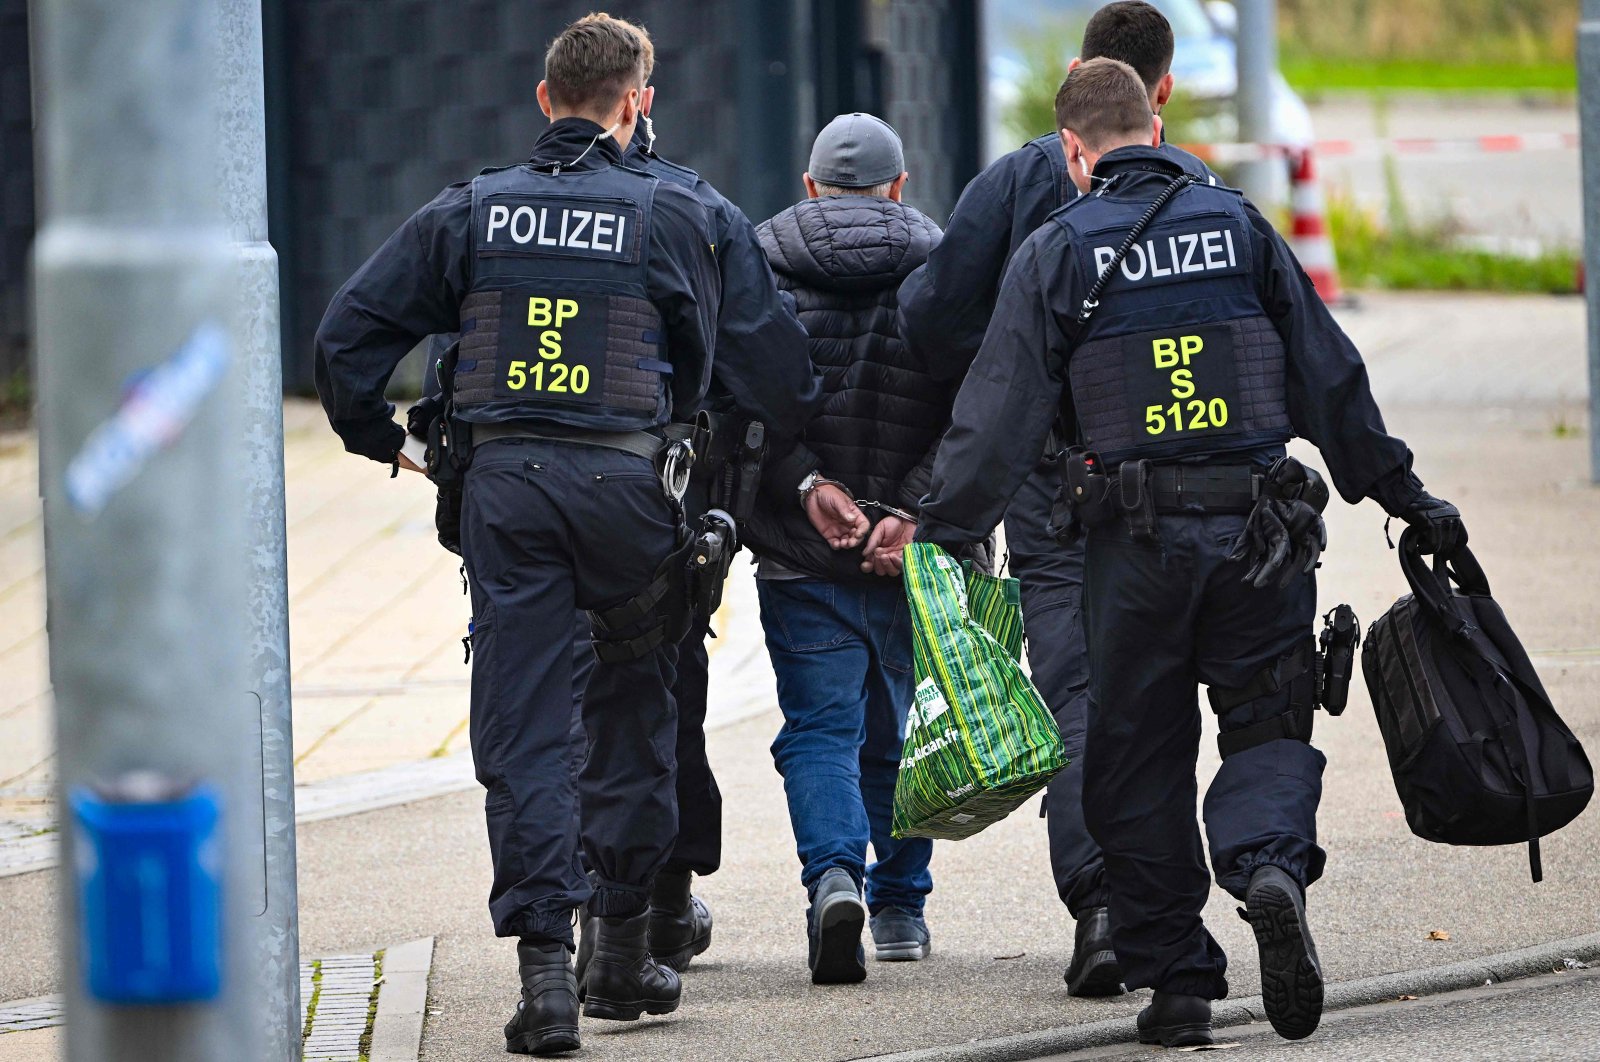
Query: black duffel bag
x=1479, y=755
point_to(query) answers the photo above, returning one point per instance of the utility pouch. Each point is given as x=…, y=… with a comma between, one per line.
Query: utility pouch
x=1336, y=658
x=449, y=449
x=1087, y=489
x=449, y=454
x=1136, y=501
x=1064, y=526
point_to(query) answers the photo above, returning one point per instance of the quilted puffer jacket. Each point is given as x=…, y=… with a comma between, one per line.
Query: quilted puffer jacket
x=843, y=257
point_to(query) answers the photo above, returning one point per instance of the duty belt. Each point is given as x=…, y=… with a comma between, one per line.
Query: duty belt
x=1209, y=488
x=645, y=444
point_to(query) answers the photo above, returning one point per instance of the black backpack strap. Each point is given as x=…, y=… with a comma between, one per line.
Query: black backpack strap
x=1431, y=586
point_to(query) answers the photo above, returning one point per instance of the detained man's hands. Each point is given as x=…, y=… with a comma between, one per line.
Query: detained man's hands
x=884, y=553
x=836, y=517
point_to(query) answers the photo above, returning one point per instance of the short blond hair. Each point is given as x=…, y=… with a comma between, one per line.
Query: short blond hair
x=596, y=60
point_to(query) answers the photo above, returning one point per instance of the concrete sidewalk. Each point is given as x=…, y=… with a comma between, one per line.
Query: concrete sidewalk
x=1487, y=390
x=377, y=621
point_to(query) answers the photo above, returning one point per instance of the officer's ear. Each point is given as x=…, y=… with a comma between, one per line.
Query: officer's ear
x=543, y=93
x=1074, y=64
x=1078, y=165
x=1155, y=130
x=1163, y=91
x=647, y=99
x=632, y=107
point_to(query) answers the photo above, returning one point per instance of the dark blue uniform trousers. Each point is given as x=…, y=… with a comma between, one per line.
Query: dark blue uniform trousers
x=699, y=843
x=1163, y=618
x=1052, y=598
x=547, y=528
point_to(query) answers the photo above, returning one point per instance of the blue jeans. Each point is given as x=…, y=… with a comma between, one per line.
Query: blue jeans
x=842, y=654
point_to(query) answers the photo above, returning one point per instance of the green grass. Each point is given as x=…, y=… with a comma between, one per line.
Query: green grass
x=1437, y=45
x=364, y=1049
x=1312, y=75
x=1415, y=257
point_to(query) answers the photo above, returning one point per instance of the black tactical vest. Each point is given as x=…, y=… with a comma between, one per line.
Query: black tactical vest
x=1179, y=359
x=558, y=326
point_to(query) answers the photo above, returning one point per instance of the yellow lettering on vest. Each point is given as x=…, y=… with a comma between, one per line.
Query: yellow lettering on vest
x=1190, y=346
x=1182, y=383
x=1166, y=352
x=550, y=344
x=565, y=309
x=538, y=311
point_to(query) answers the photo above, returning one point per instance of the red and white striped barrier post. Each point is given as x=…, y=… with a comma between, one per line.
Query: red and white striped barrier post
x=1308, y=230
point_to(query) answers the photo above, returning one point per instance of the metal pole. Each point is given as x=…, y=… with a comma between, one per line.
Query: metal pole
x=1257, y=55
x=139, y=417
x=243, y=189
x=1589, y=118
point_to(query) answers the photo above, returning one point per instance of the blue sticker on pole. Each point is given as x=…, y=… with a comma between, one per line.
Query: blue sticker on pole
x=149, y=888
x=159, y=405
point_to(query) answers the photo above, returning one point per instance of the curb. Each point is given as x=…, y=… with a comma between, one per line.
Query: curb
x=402, y=1002
x=341, y=795
x=1341, y=995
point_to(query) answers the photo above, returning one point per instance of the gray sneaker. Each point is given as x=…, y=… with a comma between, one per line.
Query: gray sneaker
x=834, y=926
x=899, y=935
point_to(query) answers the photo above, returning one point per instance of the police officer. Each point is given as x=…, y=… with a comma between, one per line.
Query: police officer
x=1186, y=369
x=762, y=374
x=586, y=293
x=945, y=306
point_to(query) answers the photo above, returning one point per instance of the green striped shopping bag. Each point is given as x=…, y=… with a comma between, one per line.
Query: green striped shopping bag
x=979, y=739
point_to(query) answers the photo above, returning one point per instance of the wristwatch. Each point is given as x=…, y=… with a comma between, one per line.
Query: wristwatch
x=813, y=480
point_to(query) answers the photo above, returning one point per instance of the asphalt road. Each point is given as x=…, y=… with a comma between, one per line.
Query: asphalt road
x=1520, y=199
x=1556, y=1017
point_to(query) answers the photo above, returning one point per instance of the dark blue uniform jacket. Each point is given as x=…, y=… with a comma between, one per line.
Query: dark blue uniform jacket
x=945, y=305
x=413, y=285
x=1012, y=393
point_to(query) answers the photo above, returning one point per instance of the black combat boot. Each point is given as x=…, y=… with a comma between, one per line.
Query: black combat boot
x=1291, y=975
x=546, y=1022
x=1094, y=970
x=680, y=923
x=622, y=981
x=1175, y=1020
x=585, y=946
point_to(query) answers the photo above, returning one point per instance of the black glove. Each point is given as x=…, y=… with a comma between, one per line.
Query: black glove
x=1438, y=525
x=1283, y=538
x=423, y=414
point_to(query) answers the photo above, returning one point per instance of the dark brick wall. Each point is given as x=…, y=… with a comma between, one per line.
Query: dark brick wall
x=930, y=75
x=375, y=105
x=391, y=101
